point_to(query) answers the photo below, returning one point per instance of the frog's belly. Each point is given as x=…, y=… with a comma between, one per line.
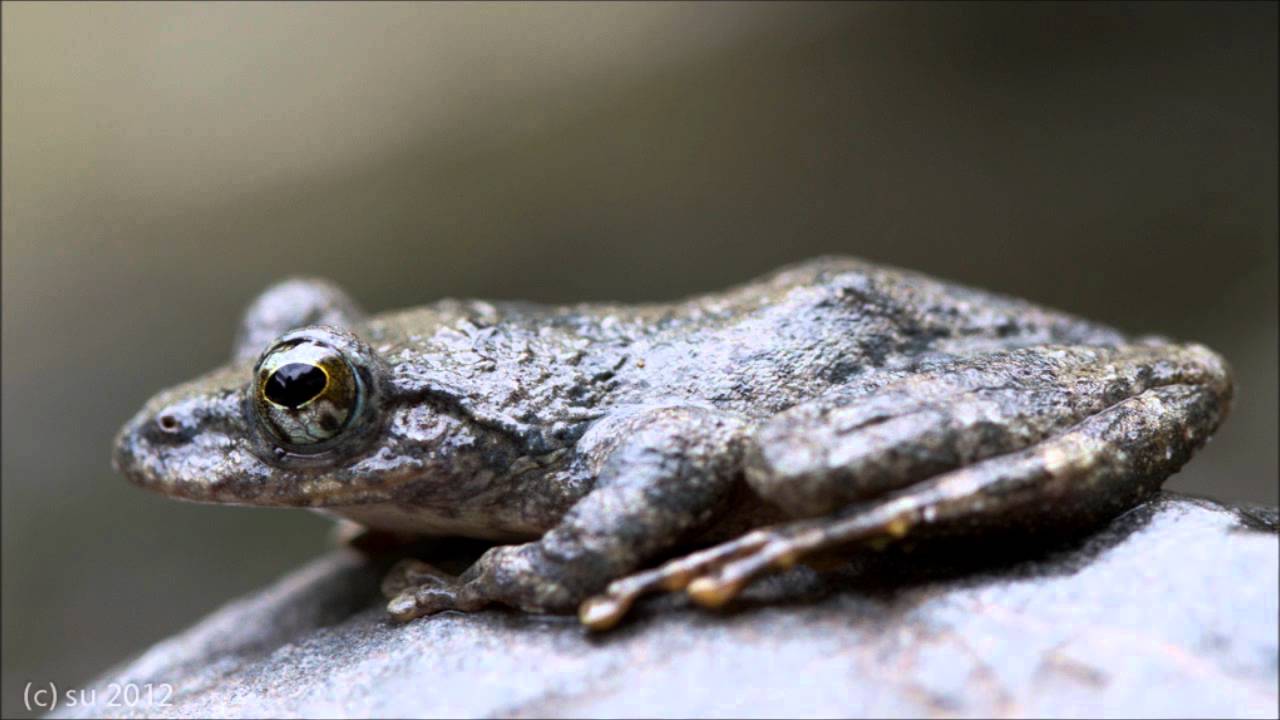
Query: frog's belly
x=421, y=521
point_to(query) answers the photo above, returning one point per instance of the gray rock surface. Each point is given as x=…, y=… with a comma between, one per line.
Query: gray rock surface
x=1170, y=610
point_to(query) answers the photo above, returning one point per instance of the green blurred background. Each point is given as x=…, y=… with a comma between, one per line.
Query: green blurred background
x=164, y=162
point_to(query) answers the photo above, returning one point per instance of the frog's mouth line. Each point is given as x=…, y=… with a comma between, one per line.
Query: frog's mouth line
x=289, y=490
x=316, y=494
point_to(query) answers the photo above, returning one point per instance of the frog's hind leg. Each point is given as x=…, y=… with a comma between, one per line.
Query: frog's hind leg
x=1065, y=474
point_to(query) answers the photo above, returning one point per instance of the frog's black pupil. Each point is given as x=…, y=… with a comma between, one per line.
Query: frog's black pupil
x=294, y=384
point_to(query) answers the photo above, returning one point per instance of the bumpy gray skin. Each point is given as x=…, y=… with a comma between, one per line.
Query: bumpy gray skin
x=865, y=403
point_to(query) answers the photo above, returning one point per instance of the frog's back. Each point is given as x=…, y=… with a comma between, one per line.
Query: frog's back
x=787, y=337
x=755, y=349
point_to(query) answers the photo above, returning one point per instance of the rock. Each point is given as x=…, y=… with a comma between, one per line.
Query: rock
x=1170, y=610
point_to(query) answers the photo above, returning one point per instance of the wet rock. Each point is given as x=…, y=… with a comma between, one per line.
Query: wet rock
x=1170, y=610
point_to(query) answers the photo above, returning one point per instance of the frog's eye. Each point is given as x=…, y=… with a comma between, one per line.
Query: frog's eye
x=305, y=392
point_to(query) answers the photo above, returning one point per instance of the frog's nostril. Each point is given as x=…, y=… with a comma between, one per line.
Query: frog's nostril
x=168, y=423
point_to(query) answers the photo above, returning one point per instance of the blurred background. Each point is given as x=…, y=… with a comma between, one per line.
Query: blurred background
x=162, y=163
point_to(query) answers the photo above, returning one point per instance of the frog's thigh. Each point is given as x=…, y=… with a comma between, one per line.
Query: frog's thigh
x=854, y=445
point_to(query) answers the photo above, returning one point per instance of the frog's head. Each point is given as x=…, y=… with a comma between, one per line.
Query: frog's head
x=261, y=433
x=315, y=419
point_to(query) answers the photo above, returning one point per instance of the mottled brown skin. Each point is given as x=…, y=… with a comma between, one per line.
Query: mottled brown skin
x=865, y=403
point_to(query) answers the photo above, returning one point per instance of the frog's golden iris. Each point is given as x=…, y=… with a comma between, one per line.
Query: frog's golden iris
x=305, y=392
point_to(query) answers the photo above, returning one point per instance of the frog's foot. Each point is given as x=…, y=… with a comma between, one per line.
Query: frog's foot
x=415, y=589
x=715, y=576
x=692, y=573
x=1085, y=473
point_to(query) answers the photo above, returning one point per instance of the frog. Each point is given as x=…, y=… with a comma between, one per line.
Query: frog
x=609, y=451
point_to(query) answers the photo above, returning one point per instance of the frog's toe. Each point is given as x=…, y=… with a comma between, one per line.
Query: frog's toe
x=420, y=601
x=787, y=545
x=411, y=574
x=700, y=574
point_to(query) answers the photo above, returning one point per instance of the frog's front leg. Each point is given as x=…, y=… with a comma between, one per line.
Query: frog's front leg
x=661, y=472
x=1029, y=439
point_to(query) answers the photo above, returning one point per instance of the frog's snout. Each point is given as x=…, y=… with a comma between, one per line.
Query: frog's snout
x=139, y=452
x=184, y=443
x=160, y=450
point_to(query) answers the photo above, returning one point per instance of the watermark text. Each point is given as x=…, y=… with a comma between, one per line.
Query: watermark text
x=46, y=697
